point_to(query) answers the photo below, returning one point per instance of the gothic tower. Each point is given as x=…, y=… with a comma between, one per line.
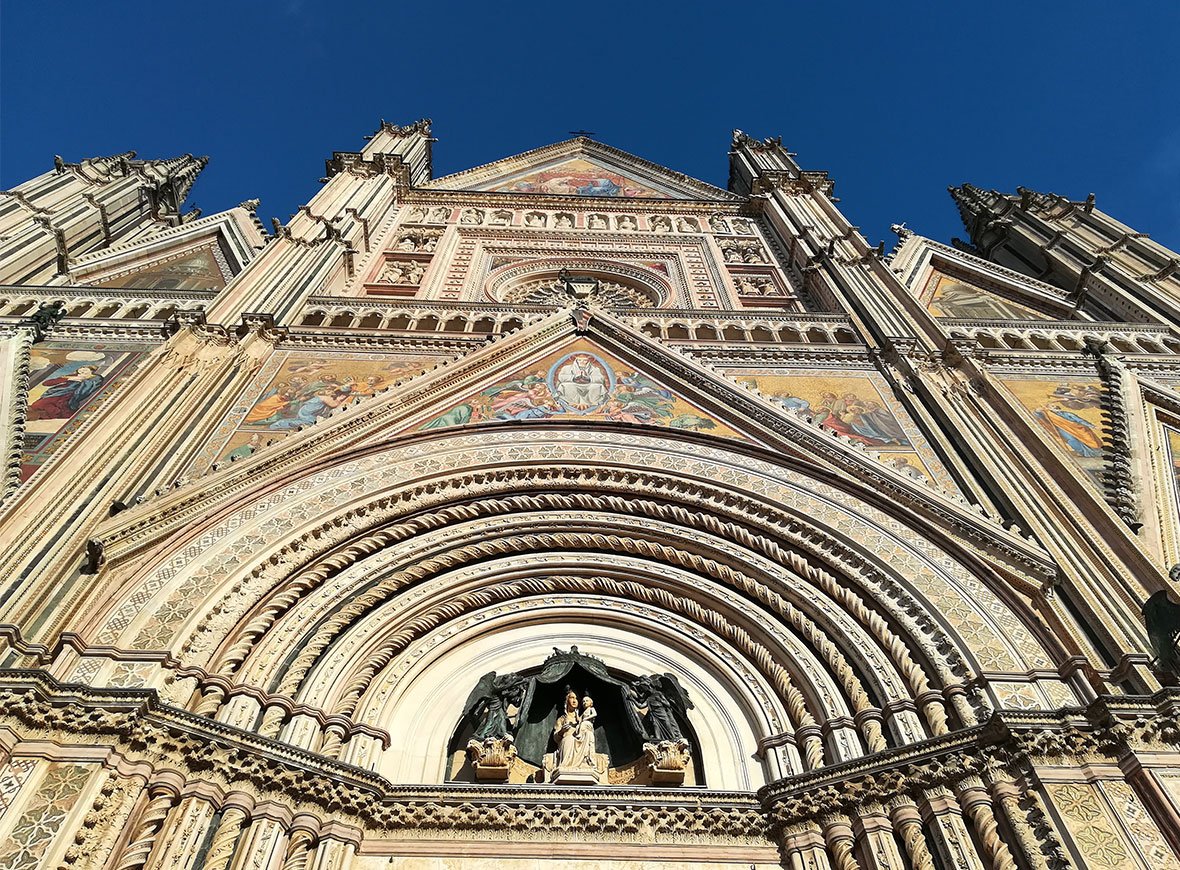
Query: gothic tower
x=569, y=508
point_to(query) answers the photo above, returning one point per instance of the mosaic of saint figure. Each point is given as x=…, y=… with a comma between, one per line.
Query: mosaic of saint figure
x=1075, y=433
x=584, y=383
x=66, y=394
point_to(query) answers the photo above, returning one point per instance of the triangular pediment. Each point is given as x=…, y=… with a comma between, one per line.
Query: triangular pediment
x=579, y=381
x=955, y=285
x=202, y=255
x=581, y=168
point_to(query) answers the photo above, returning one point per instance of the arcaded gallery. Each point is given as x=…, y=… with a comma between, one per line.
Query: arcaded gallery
x=571, y=511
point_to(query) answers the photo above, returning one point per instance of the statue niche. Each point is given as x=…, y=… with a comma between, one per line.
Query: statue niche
x=574, y=722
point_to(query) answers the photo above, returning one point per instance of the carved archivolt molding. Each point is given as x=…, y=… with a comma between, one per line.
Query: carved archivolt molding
x=312, y=574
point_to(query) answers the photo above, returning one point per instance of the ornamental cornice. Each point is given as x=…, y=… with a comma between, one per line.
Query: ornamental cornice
x=148, y=735
x=1004, y=746
x=1073, y=326
x=82, y=291
x=143, y=731
x=358, y=164
x=297, y=337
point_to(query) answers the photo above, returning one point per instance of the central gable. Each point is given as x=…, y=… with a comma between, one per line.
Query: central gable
x=578, y=176
x=580, y=167
x=581, y=381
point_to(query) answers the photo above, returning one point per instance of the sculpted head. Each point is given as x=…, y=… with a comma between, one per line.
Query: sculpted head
x=571, y=700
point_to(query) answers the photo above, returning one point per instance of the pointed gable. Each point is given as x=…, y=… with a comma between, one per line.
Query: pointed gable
x=954, y=296
x=581, y=167
x=580, y=381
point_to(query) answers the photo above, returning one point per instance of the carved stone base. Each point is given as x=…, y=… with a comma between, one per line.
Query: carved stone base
x=492, y=758
x=576, y=775
x=669, y=760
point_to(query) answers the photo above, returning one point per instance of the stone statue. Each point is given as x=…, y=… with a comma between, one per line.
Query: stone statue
x=489, y=701
x=576, y=759
x=663, y=704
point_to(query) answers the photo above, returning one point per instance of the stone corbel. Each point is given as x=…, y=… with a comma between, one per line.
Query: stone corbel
x=197, y=345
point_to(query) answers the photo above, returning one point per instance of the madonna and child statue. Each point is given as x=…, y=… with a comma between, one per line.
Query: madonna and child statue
x=576, y=723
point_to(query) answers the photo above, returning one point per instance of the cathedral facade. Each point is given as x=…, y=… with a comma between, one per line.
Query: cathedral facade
x=569, y=508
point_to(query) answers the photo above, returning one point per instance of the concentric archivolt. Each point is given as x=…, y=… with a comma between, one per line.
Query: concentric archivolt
x=844, y=644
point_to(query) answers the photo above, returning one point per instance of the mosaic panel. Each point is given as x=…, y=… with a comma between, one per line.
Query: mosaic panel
x=1173, y=471
x=197, y=269
x=295, y=389
x=66, y=386
x=581, y=381
x=947, y=296
x=1070, y=411
x=578, y=177
x=861, y=408
x=12, y=776
x=40, y=823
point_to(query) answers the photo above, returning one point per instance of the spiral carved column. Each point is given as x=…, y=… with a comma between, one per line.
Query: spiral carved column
x=1007, y=796
x=840, y=839
x=161, y=799
x=907, y=821
x=299, y=850
x=221, y=849
x=977, y=806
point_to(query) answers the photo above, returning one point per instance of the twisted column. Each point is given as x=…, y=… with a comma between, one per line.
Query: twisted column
x=160, y=801
x=221, y=849
x=272, y=721
x=1006, y=794
x=299, y=850
x=907, y=821
x=840, y=841
x=977, y=806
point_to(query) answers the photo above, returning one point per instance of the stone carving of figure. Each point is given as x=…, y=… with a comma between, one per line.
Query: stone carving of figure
x=742, y=226
x=564, y=221
x=596, y=222
x=660, y=224
x=501, y=218
x=581, y=383
x=574, y=733
x=440, y=214
x=687, y=225
x=471, y=216
x=534, y=219
x=717, y=224
x=627, y=222
x=416, y=215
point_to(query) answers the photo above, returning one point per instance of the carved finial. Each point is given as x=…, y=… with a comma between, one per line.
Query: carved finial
x=250, y=205
x=1089, y=203
x=58, y=163
x=274, y=222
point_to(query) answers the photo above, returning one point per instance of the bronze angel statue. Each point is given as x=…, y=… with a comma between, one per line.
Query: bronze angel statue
x=489, y=701
x=661, y=704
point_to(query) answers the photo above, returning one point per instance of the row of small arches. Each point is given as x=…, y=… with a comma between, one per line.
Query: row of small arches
x=114, y=309
x=744, y=332
x=411, y=322
x=1070, y=343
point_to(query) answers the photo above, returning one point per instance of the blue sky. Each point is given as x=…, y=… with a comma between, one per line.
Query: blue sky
x=897, y=100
